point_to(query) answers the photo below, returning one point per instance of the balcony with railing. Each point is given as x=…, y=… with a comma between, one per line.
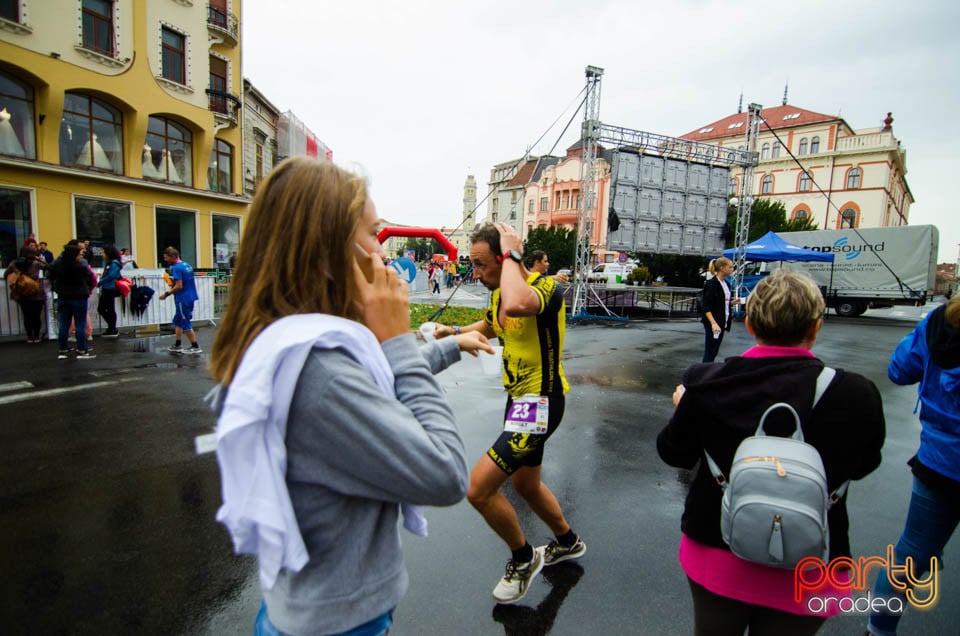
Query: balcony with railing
x=223, y=27
x=224, y=106
x=869, y=141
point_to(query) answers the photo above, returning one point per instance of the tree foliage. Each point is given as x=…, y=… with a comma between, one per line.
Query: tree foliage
x=424, y=248
x=559, y=243
x=766, y=215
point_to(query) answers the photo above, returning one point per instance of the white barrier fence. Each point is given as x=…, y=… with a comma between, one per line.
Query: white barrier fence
x=158, y=311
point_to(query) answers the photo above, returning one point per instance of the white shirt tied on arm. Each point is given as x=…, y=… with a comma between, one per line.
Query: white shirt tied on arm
x=251, y=431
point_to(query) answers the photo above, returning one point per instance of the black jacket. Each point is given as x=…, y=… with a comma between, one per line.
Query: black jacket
x=72, y=280
x=714, y=301
x=722, y=406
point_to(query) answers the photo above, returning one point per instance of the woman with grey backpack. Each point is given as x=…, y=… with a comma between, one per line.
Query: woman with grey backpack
x=718, y=406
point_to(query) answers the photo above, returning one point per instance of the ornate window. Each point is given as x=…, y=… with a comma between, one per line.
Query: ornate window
x=174, y=55
x=814, y=145
x=17, y=136
x=219, y=176
x=803, y=147
x=848, y=219
x=800, y=214
x=98, y=26
x=766, y=186
x=806, y=180
x=91, y=134
x=168, y=152
x=853, y=179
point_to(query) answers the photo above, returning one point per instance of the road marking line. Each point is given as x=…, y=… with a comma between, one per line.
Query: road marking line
x=21, y=397
x=13, y=386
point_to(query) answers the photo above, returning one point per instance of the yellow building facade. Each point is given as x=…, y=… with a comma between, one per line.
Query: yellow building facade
x=119, y=124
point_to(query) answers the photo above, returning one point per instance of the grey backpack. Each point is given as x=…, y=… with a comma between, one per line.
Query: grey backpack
x=775, y=504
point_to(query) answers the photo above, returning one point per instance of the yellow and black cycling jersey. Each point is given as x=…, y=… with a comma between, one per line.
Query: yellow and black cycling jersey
x=532, y=345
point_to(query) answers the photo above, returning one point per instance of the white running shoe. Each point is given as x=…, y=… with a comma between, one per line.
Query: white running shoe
x=516, y=580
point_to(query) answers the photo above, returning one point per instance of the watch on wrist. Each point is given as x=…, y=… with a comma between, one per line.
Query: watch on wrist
x=456, y=331
x=515, y=256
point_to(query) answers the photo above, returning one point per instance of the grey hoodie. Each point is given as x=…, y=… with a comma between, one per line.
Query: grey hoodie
x=353, y=454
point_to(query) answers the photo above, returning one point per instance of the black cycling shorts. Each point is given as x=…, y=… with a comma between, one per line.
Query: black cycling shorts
x=513, y=450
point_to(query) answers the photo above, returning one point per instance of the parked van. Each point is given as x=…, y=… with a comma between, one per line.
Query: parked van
x=607, y=273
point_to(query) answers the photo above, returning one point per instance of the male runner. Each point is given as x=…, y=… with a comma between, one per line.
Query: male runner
x=184, y=292
x=527, y=312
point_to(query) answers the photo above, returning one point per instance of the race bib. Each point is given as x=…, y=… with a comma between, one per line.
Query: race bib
x=528, y=414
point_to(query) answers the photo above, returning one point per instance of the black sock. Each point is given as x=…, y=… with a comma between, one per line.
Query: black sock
x=195, y=345
x=568, y=539
x=176, y=343
x=524, y=554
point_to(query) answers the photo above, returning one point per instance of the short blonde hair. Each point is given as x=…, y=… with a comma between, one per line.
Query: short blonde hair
x=952, y=312
x=784, y=307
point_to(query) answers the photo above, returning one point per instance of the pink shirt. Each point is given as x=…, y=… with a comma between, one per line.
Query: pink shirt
x=724, y=573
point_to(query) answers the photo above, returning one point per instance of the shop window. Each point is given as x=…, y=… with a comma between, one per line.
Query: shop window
x=16, y=118
x=91, y=134
x=167, y=152
x=102, y=222
x=177, y=228
x=15, y=224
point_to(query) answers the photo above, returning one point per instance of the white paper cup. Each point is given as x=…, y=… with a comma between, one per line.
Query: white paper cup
x=427, y=330
x=491, y=364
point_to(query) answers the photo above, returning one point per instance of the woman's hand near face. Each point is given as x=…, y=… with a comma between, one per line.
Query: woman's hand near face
x=473, y=342
x=384, y=299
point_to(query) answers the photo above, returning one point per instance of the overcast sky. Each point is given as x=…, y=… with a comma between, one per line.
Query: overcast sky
x=420, y=93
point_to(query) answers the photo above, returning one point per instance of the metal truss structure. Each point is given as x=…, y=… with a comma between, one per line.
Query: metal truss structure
x=594, y=132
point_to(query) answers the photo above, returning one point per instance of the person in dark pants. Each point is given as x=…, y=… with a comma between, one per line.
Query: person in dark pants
x=31, y=306
x=716, y=307
x=72, y=281
x=106, y=307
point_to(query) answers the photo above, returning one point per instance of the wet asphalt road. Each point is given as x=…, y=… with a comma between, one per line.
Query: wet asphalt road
x=107, y=512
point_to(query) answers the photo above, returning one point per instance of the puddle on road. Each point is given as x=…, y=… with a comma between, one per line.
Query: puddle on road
x=619, y=382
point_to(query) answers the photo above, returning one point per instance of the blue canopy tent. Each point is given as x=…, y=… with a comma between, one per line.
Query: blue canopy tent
x=770, y=247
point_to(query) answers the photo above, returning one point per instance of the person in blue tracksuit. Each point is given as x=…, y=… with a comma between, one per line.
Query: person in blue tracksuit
x=930, y=355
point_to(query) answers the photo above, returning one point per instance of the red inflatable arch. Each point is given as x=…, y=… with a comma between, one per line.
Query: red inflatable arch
x=420, y=232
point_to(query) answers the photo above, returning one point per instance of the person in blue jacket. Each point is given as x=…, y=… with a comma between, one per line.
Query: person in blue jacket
x=930, y=355
x=106, y=306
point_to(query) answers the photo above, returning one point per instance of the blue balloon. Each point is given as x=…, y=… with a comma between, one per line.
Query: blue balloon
x=406, y=269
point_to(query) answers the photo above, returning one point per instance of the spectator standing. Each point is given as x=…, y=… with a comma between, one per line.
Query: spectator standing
x=31, y=306
x=44, y=253
x=72, y=281
x=717, y=407
x=109, y=293
x=184, y=292
x=716, y=317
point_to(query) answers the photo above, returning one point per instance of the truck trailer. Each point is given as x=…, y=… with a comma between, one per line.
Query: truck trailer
x=873, y=267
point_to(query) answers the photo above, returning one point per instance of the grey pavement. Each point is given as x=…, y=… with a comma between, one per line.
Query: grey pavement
x=107, y=512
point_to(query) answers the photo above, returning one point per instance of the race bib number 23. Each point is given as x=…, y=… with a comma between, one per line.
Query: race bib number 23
x=528, y=414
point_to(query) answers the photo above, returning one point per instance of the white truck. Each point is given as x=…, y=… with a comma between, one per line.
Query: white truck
x=873, y=267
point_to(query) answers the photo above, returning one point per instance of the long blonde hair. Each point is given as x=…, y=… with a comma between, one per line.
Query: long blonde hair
x=296, y=256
